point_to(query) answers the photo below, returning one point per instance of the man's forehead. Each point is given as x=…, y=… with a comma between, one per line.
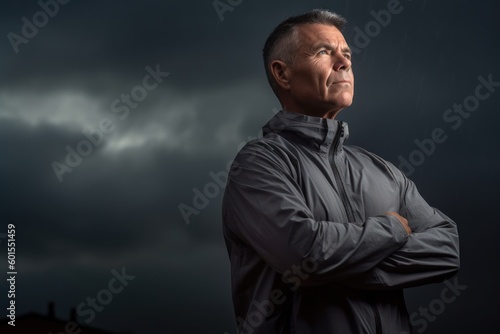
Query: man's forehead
x=312, y=33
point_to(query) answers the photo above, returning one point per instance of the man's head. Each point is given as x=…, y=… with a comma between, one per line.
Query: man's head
x=308, y=64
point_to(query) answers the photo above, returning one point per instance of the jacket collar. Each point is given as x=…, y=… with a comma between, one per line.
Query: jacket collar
x=319, y=133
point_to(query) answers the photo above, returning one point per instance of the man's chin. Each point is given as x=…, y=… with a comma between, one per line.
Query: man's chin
x=343, y=101
x=337, y=108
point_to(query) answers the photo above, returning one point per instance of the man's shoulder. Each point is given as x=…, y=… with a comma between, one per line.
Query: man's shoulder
x=270, y=143
x=269, y=151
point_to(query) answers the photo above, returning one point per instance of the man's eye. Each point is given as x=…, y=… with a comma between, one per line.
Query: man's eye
x=348, y=56
x=323, y=52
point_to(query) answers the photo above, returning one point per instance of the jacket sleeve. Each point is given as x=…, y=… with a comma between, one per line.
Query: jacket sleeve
x=264, y=207
x=431, y=253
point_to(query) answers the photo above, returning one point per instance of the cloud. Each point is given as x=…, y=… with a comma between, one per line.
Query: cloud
x=136, y=177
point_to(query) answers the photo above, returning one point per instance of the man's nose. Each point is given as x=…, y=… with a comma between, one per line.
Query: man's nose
x=341, y=63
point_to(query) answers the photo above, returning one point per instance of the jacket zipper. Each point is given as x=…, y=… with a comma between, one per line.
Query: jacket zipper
x=347, y=205
x=336, y=173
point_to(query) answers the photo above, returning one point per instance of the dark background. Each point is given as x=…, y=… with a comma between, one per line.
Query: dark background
x=120, y=206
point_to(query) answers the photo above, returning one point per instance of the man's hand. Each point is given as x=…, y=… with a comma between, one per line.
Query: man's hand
x=401, y=219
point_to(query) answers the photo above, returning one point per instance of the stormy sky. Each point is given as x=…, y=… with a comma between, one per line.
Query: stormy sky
x=118, y=206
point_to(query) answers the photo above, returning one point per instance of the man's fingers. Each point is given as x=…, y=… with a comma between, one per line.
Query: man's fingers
x=402, y=220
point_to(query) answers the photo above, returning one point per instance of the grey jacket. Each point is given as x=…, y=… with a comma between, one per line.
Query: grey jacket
x=311, y=250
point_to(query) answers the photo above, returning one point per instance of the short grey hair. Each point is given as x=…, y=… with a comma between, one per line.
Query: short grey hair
x=283, y=41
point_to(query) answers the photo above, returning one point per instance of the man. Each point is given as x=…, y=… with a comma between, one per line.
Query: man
x=323, y=237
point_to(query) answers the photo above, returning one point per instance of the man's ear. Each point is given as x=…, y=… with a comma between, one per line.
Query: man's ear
x=281, y=73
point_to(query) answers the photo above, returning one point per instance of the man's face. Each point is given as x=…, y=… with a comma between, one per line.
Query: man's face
x=321, y=78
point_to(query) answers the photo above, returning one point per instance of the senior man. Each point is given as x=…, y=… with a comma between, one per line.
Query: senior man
x=323, y=237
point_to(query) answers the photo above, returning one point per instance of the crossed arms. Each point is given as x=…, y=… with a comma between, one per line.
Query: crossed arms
x=392, y=250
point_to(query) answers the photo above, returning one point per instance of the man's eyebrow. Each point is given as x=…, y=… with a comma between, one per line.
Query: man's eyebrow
x=329, y=46
x=322, y=45
x=346, y=49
